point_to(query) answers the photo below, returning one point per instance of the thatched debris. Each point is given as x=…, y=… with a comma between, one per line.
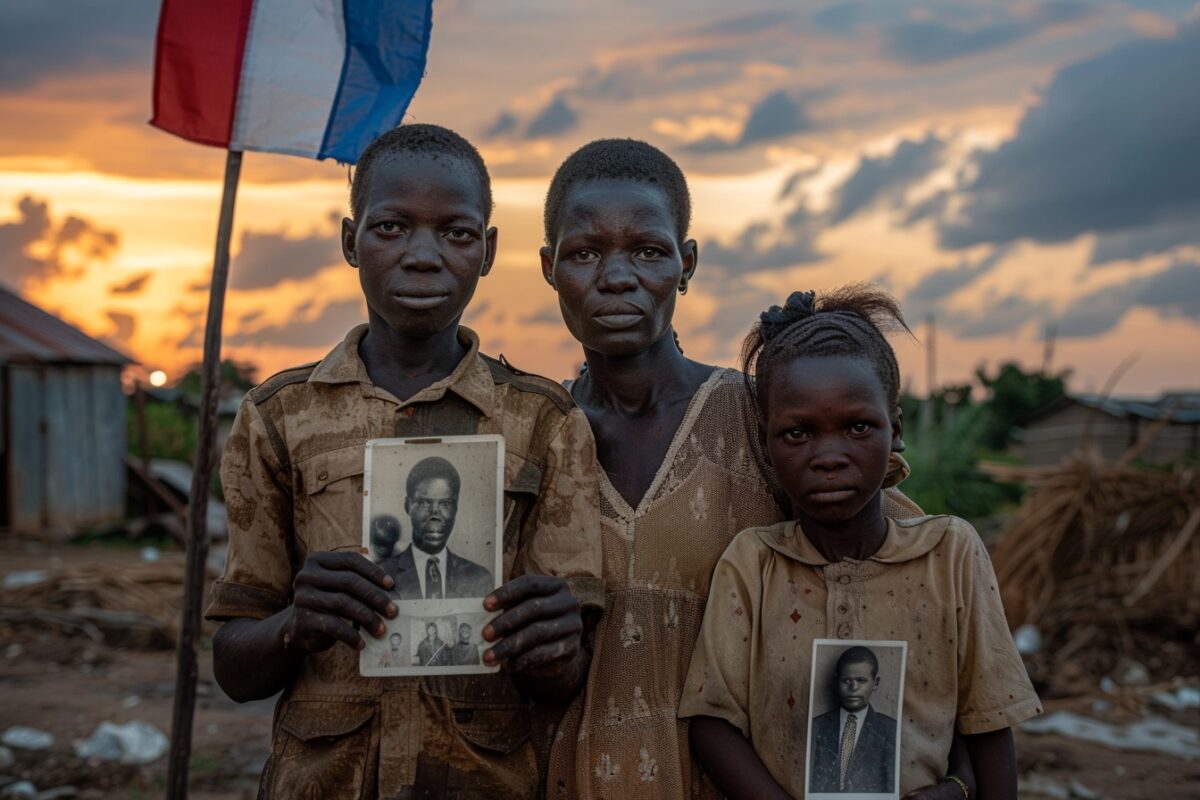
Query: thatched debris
x=1104, y=559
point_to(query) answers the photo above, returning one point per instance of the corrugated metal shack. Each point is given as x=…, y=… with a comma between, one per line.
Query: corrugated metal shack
x=1112, y=426
x=62, y=423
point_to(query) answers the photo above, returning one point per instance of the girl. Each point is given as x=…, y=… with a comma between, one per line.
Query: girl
x=679, y=476
x=827, y=392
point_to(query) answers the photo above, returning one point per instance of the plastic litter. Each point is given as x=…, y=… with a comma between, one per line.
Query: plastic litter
x=1151, y=734
x=1028, y=640
x=24, y=577
x=24, y=738
x=1184, y=698
x=1134, y=674
x=1043, y=785
x=19, y=789
x=58, y=793
x=132, y=743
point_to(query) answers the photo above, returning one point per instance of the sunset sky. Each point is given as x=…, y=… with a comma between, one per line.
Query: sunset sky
x=1003, y=166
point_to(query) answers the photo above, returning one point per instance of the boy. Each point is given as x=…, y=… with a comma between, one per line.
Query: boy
x=297, y=591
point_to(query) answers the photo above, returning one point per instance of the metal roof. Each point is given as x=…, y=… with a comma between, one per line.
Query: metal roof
x=29, y=334
x=1179, y=407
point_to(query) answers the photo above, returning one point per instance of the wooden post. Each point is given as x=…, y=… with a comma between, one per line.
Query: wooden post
x=197, y=548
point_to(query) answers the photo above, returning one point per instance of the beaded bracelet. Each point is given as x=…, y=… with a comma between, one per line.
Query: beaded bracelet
x=961, y=784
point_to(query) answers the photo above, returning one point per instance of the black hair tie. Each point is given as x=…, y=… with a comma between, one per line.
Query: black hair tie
x=775, y=320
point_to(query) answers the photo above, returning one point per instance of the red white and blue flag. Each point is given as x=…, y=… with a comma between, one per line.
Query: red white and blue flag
x=314, y=78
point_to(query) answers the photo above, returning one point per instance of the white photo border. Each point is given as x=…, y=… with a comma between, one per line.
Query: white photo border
x=812, y=686
x=410, y=610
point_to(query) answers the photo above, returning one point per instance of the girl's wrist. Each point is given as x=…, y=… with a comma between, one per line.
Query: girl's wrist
x=962, y=785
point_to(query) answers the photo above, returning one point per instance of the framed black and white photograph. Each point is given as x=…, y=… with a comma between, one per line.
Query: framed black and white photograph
x=854, y=710
x=432, y=519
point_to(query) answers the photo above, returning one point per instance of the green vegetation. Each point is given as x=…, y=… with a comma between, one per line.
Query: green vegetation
x=949, y=436
x=170, y=433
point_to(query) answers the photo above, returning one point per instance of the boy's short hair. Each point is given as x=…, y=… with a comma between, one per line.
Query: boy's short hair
x=432, y=468
x=620, y=159
x=423, y=139
x=857, y=655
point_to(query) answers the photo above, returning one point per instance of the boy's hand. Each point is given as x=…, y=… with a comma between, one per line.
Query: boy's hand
x=332, y=593
x=539, y=630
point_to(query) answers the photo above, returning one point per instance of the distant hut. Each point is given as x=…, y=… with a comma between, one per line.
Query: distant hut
x=1112, y=426
x=62, y=423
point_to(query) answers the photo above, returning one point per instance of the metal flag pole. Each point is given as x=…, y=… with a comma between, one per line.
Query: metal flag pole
x=197, y=542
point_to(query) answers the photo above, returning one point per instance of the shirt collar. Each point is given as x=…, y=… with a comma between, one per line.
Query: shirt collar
x=471, y=379
x=905, y=540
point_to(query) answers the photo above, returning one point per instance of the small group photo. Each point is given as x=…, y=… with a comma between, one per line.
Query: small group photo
x=441, y=644
x=432, y=520
x=857, y=693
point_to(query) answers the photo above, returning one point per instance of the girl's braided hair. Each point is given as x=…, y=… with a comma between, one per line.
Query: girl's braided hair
x=849, y=321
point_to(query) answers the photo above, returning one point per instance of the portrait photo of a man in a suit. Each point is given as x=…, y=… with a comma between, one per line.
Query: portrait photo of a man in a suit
x=854, y=745
x=428, y=569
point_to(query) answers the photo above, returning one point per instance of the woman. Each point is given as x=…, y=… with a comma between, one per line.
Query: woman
x=681, y=469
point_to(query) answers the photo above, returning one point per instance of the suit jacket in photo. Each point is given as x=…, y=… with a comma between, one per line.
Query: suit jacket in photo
x=873, y=763
x=462, y=655
x=433, y=654
x=463, y=578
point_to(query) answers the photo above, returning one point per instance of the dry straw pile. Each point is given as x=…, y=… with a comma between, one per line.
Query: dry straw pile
x=1104, y=559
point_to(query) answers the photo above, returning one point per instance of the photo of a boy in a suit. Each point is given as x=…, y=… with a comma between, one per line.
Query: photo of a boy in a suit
x=854, y=746
x=427, y=569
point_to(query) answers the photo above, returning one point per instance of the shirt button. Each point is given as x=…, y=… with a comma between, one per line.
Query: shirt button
x=843, y=631
x=323, y=476
x=842, y=609
x=844, y=580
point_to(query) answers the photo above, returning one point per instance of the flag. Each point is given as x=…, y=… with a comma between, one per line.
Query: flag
x=313, y=78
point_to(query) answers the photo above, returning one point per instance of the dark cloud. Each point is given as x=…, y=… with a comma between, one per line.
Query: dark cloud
x=124, y=326
x=751, y=22
x=932, y=40
x=794, y=181
x=843, y=19
x=476, y=312
x=923, y=297
x=1111, y=147
x=132, y=286
x=1140, y=242
x=760, y=246
x=504, y=125
x=249, y=317
x=886, y=177
x=267, y=259
x=776, y=116
x=546, y=315
x=40, y=39
x=65, y=247
x=1000, y=315
x=1173, y=292
x=33, y=225
x=555, y=119
x=326, y=330
x=740, y=304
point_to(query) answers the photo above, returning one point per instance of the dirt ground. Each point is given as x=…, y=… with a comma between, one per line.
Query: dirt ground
x=66, y=685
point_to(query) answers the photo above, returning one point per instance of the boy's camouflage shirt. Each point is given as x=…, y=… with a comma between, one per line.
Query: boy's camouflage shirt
x=293, y=479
